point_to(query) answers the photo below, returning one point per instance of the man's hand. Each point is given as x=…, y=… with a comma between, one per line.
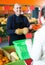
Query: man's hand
x=30, y=27
x=18, y=31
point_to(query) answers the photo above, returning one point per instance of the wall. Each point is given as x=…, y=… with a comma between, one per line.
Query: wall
x=31, y=2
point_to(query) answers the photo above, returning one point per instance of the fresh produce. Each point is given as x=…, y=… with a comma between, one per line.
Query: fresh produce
x=32, y=20
x=18, y=31
x=1, y=62
x=1, y=29
x=3, y=20
x=3, y=59
x=7, y=56
x=25, y=30
x=14, y=56
x=36, y=26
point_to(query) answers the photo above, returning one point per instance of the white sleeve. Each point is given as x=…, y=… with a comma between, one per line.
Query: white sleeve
x=36, y=50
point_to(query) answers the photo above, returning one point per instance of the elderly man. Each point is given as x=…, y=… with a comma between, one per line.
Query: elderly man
x=15, y=22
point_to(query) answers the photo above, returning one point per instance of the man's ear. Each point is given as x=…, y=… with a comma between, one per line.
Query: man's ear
x=13, y=9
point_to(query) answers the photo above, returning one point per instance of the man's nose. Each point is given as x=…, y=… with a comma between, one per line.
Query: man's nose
x=19, y=9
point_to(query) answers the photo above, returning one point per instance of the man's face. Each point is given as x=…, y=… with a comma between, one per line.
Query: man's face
x=17, y=9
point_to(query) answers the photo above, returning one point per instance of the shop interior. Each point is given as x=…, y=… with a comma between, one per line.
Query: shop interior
x=32, y=10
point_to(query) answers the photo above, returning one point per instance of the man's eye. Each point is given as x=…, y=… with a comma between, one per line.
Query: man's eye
x=17, y=8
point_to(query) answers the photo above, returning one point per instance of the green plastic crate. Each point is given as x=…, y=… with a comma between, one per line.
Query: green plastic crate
x=21, y=49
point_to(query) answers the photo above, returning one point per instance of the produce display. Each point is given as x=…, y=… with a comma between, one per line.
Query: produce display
x=36, y=26
x=7, y=56
x=3, y=20
x=3, y=59
x=33, y=20
x=3, y=30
